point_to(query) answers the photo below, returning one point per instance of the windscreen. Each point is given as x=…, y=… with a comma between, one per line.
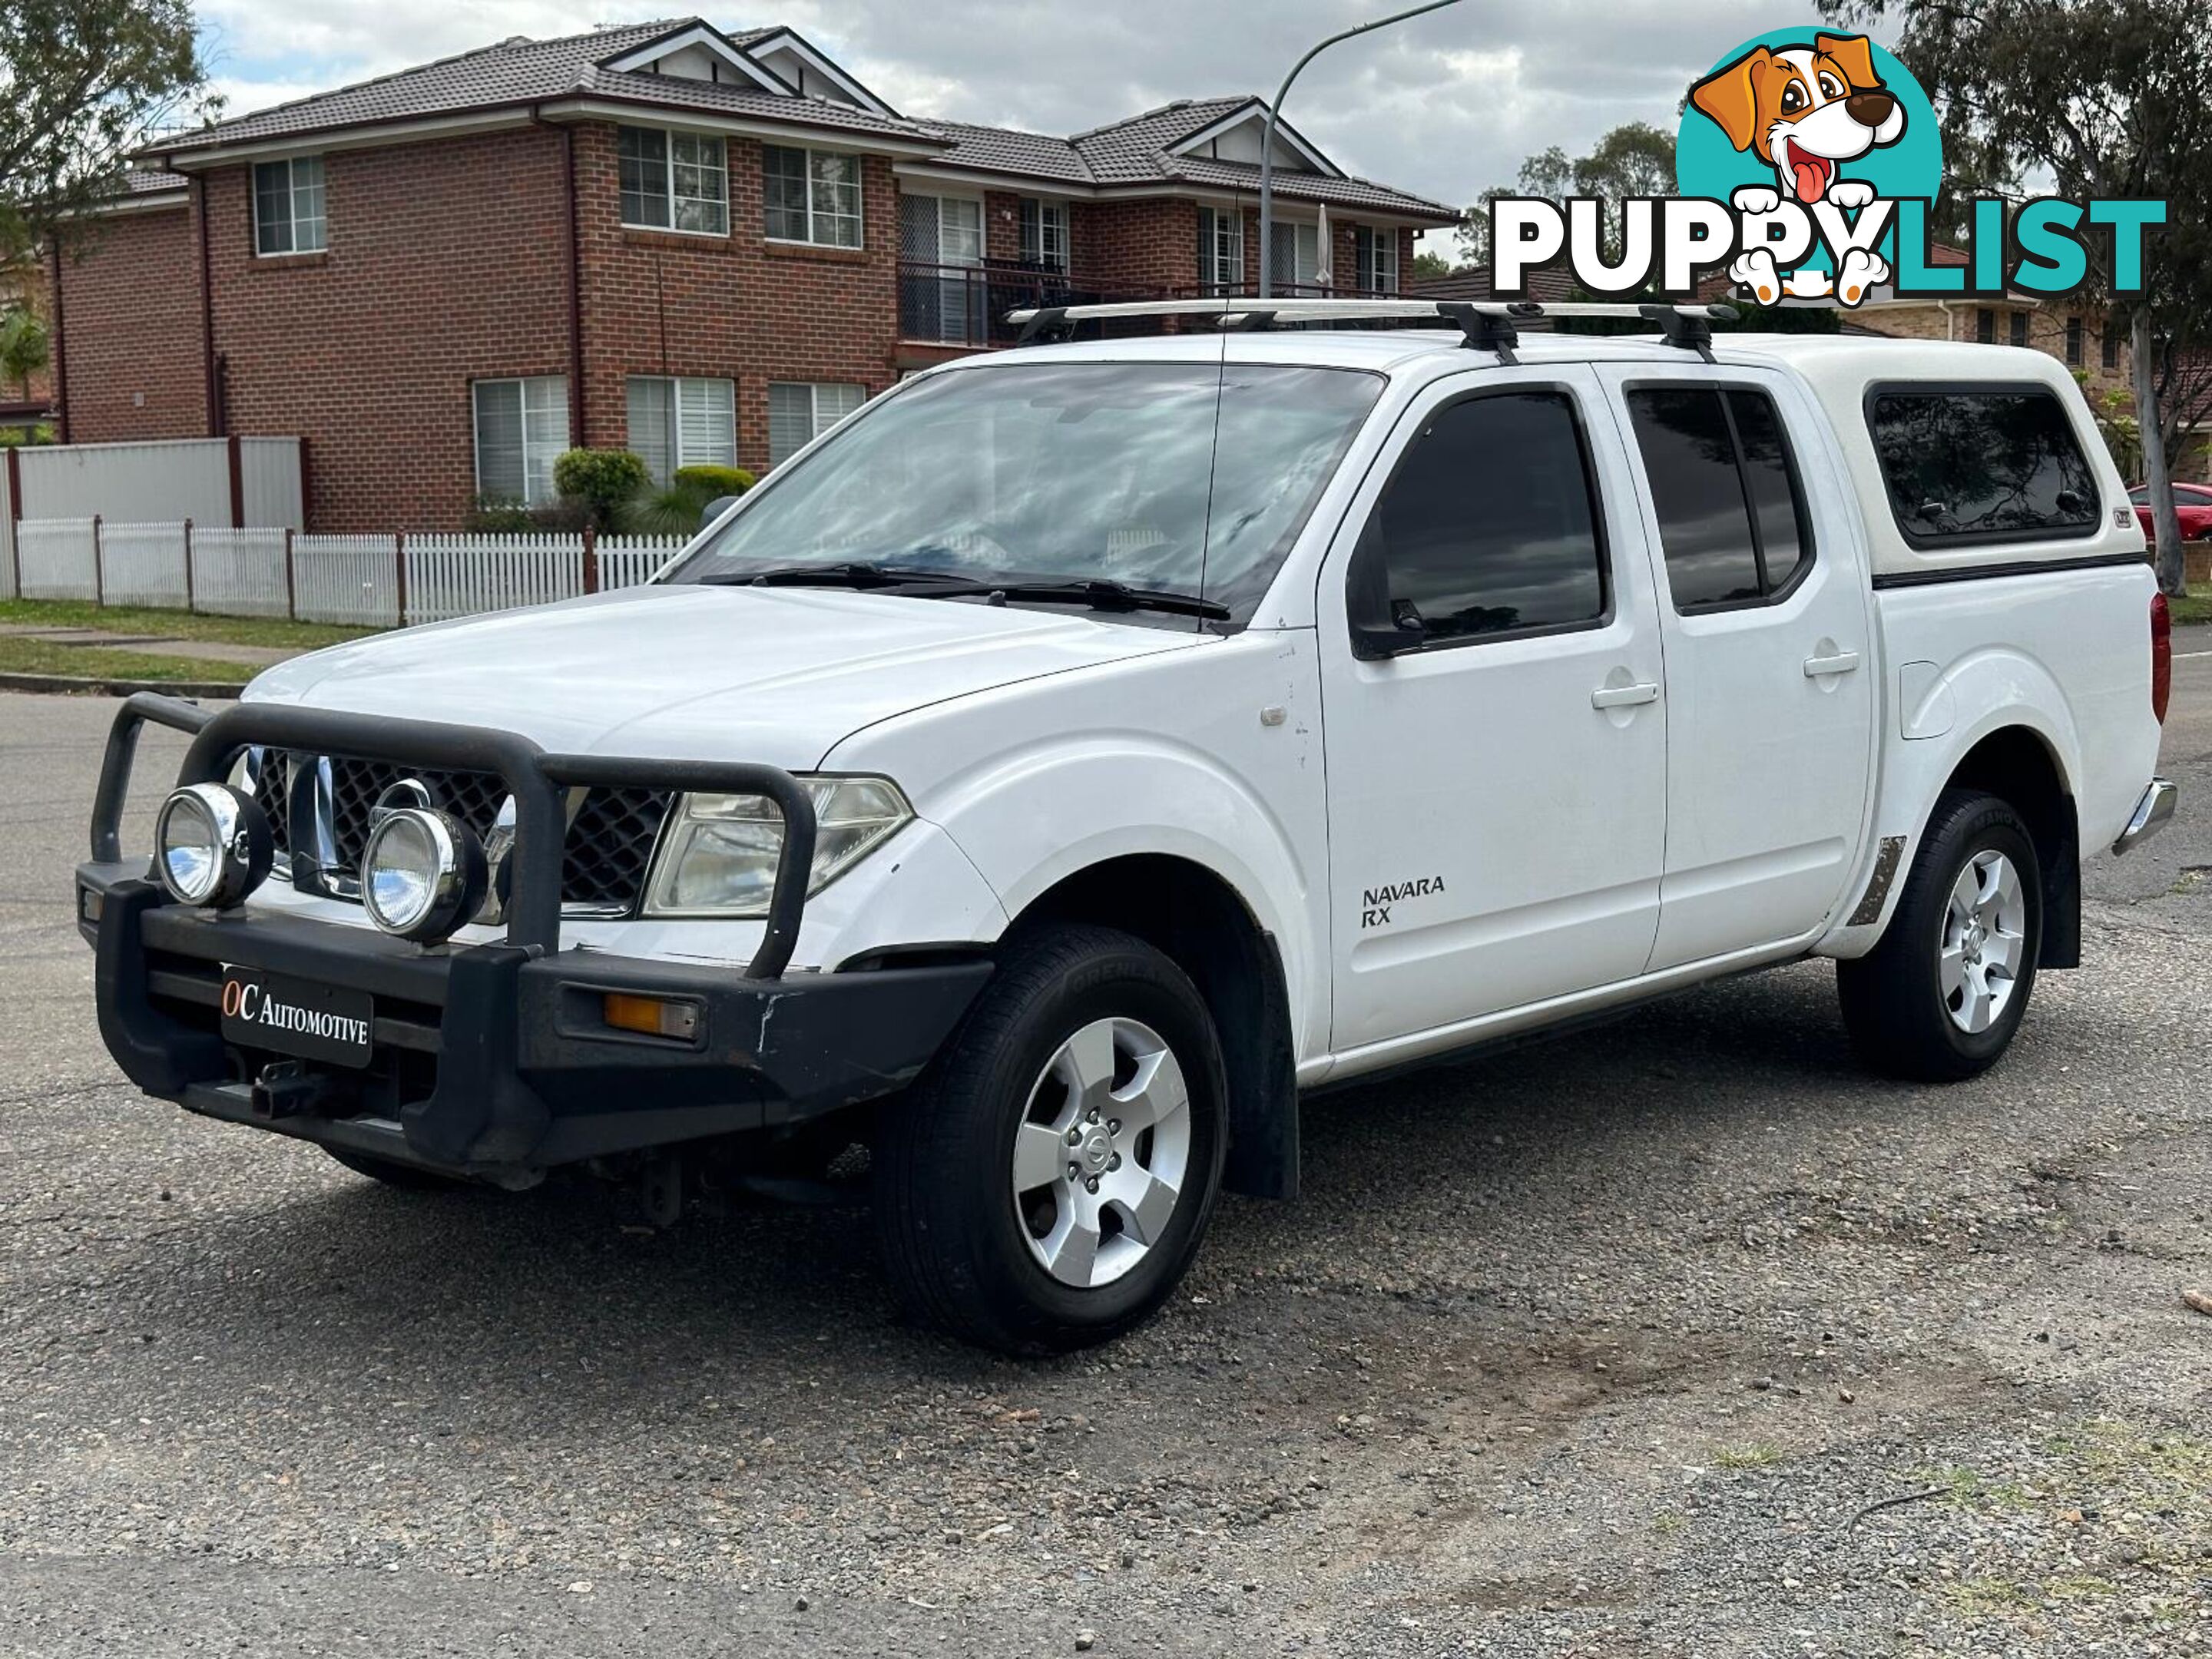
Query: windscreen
x=1190, y=477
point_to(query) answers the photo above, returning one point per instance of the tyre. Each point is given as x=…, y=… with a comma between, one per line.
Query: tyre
x=403, y=1176
x=1047, y=1182
x=1938, y=999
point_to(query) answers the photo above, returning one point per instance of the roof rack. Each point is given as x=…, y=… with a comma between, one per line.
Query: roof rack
x=1484, y=325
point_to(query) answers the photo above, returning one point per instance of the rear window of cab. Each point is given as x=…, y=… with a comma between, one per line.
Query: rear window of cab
x=1971, y=464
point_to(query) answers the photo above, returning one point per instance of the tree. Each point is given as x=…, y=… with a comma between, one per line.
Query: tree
x=2112, y=99
x=84, y=83
x=1634, y=159
x=1427, y=265
x=25, y=347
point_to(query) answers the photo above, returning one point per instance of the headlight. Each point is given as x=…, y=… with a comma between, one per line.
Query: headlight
x=718, y=854
x=215, y=845
x=422, y=874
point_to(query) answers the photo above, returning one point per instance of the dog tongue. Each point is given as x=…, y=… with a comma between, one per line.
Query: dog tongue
x=1812, y=178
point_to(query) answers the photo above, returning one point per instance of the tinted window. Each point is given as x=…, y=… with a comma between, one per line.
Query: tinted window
x=1995, y=465
x=1490, y=522
x=1778, y=504
x=1731, y=516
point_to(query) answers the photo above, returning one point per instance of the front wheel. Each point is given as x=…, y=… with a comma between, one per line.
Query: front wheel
x=1047, y=1183
x=1938, y=999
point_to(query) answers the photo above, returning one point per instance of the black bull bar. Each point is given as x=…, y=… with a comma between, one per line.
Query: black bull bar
x=526, y=1075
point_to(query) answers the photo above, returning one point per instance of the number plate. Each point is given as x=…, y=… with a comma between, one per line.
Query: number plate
x=315, y=1022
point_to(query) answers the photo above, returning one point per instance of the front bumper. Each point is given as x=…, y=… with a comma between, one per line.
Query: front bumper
x=2152, y=814
x=495, y=1060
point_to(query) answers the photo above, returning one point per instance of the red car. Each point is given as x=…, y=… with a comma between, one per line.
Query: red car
x=2192, y=502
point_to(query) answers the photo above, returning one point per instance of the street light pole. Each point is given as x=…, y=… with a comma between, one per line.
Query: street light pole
x=1274, y=113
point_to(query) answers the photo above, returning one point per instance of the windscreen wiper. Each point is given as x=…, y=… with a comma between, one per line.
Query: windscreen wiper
x=854, y=573
x=1104, y=593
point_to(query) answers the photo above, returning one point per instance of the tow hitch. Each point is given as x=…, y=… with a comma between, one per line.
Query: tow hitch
x=284, y=1090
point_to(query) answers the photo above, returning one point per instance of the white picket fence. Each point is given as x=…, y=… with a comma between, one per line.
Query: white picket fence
x=366, y=581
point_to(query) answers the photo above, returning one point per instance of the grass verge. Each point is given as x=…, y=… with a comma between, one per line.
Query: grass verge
x=2197, y=608
x=19, y=655
x=177, y=624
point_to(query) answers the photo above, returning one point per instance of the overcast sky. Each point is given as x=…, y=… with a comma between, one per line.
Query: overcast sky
x=1444, y=105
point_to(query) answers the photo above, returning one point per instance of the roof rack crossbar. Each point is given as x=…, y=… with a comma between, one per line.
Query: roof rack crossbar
x=1485, y=324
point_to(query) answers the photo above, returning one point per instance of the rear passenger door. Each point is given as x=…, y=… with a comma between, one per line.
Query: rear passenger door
x=1769, y=676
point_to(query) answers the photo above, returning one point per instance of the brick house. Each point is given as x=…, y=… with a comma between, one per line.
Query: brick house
x=701, y=245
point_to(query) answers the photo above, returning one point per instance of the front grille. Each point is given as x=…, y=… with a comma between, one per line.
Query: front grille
x=612, y=832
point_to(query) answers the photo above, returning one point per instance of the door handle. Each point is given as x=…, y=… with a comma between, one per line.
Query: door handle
x=1624, y=696
x=1841, y=663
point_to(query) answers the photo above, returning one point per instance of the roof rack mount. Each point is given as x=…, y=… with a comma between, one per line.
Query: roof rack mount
x=1485, y=324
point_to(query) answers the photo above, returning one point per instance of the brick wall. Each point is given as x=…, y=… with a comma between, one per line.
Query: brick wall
x=447, y=262
x=1145, y=244
x=130, y=330
x=29, y=287
x=736, y=307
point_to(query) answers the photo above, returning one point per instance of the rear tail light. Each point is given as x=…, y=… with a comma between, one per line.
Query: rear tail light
x=2161, y=655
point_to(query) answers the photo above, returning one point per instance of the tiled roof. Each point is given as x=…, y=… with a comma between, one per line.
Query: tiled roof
x=1140, y=151
x=149, y=181
x=1546, y=287
x=1134, y=150
x=1003, y=149
x=519, y=72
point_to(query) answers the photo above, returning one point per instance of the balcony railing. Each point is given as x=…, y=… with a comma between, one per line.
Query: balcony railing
x=966, y=306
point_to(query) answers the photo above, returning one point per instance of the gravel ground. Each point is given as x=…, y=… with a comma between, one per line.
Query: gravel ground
x=1599, y=1348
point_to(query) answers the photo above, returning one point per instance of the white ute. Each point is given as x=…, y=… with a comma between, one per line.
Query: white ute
x=1085, y=749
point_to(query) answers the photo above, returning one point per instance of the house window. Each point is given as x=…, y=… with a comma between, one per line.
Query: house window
x=1375, y=260
x=798, y=413
x=1985, y=325
x=287, y=206
x=673, y=181
x=2109, y=345
x=682, y=422
x=522, y=426
x=812, y=196
x=1294, y=251
x=1044, y=235
x=1221, y=251
x=2019, y=328
x=2074, y=341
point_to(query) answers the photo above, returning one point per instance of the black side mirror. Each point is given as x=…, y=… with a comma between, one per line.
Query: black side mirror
x=1381, y=626
x=2070, y=502
x=715, y=508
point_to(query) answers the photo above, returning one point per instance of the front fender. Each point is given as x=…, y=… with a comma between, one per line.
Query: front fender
x=1032, y=817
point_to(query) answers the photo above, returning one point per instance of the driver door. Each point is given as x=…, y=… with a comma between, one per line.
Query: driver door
x=1497, y=782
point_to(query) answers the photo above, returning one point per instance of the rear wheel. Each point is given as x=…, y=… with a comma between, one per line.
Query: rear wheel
x=1047, y=1183
x=1939, y=998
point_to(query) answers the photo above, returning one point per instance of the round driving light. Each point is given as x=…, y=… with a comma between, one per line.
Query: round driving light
x=422, y=874
x=213, y=845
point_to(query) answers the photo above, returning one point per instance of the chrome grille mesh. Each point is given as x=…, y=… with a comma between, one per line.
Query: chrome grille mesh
x=612, y=832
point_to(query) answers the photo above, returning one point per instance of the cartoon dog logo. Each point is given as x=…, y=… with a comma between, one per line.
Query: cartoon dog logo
x=1804, y=111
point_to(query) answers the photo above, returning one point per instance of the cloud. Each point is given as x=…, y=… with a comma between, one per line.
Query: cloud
x=1444, y=105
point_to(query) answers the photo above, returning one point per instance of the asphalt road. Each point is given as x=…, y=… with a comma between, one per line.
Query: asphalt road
x=1598, y=1348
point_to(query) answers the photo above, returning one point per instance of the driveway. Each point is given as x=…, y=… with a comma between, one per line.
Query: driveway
x=1612, y=1346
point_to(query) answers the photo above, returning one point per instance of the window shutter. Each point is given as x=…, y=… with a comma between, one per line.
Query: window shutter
x=653, y=425
x=790, y=421
x=707, y=412
x=499, y=439
x=544, y=432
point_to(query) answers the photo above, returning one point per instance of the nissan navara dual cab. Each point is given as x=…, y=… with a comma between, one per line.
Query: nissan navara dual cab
x=1068, y=761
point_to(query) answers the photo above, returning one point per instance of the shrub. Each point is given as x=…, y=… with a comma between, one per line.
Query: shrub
x=710, y=482
x=603, y=480
x=489, y=516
